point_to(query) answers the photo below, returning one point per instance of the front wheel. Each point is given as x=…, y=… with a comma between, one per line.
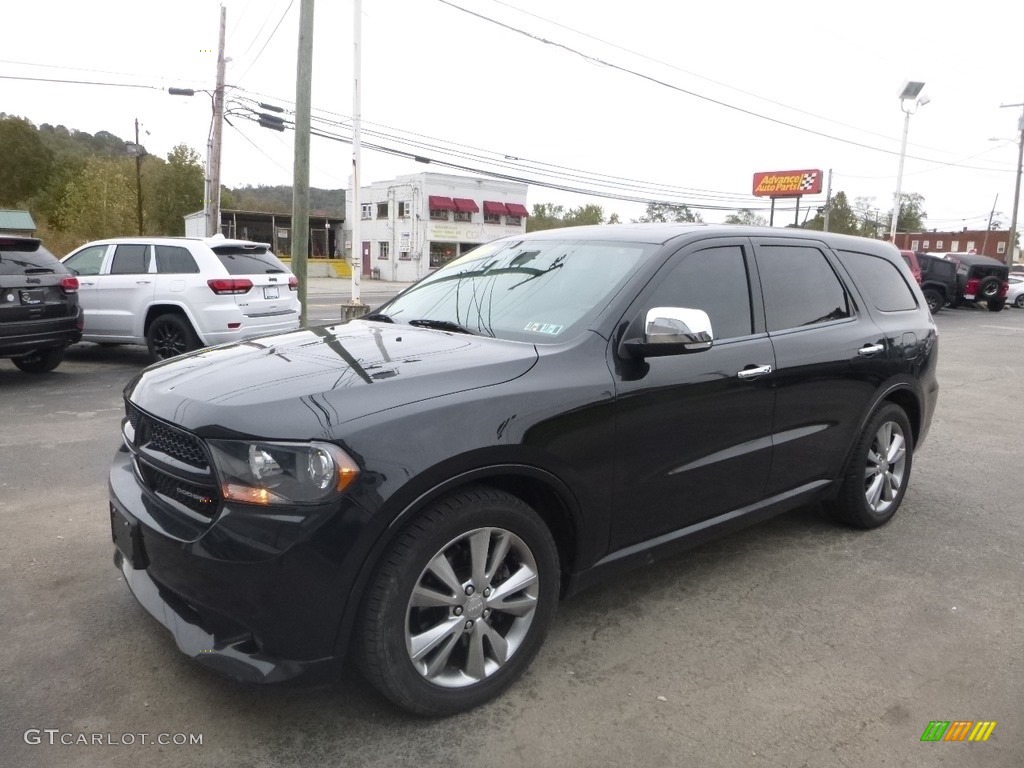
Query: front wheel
x=169, y=336
x=934, y=299
x=995, y=305
x=1019, y=302
x=40, y=361
x=879, y=470
x=460, y=603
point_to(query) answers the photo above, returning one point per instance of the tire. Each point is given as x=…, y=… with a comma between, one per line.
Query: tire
x=435, y=575
x=40, y=361
x=870, y=477
x=934, y=300
x=955, y=302
x=1019, y=302
x=988, y=289
x=995, y=305
x=169, y=336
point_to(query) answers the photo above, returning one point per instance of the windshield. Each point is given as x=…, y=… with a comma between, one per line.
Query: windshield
x=536, y=291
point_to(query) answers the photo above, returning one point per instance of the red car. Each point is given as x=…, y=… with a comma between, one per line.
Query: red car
x=911, y=258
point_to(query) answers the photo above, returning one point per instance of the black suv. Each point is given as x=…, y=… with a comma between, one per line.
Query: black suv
x=39, y=312
x=423, y=484
x=980, y=278
x=938, y=281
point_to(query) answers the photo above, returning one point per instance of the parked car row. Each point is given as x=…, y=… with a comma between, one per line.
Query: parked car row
x=949, y=280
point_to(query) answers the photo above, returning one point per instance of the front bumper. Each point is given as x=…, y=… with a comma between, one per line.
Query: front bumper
x=257, y=596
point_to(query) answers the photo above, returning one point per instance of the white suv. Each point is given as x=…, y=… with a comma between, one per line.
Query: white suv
x=175, y=294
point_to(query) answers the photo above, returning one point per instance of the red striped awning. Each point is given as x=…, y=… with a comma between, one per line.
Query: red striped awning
x=439, y=203
x=495, y=209
x=517, y=209
x=465, y=205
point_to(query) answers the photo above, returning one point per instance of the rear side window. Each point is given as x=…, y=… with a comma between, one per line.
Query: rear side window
x=130, y=260
x=715, y=280
x=800, y=287
x=880, y=281
x=248, y=261
x=175, y=260
x=27, y=257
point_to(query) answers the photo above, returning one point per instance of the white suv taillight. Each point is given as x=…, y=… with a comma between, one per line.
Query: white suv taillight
x=69, y=284
x=225, y=285
x=293, y=283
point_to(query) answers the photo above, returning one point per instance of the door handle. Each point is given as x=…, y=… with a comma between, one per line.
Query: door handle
x=752, y=373
x=143, y=282
x=87, y=282
x=870, y=349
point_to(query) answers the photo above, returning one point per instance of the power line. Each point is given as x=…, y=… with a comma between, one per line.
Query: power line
x=84, y=69
x=267, y=41
x=80, y=82
x=671, y=86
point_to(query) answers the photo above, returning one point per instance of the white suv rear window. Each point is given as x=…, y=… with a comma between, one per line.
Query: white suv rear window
x=238, y=260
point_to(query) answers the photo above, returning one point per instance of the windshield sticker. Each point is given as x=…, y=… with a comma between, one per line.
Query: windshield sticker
x=548, y=328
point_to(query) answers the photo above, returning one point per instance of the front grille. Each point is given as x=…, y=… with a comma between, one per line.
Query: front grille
x=199, y=498
x=157, y=436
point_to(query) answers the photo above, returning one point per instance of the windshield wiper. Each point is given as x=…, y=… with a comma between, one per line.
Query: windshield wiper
x=440, y=325
x=378, y=316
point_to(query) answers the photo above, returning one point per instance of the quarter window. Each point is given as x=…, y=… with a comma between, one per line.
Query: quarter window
x=880, y=281
x=800, y=287
x=715, y=280
x=175, y=260
x=130, y=260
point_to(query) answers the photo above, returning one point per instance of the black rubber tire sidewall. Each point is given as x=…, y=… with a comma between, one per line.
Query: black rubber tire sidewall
x=40, y=361
x=995, y=305
x=850, y=505
x=181, y=324
x=931, y=296
x=1019, y=302
x=380, y=640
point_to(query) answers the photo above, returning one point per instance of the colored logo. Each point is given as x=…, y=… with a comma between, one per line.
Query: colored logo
x=958, y=730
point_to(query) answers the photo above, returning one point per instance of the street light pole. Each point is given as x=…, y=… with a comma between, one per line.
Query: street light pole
x=216, y=133
x=911, y=91
x=354, y=307
x=1016, y=190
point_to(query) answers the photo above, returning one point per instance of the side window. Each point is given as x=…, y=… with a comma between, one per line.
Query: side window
x=130, y=260
x=175, y=260
x=87, y=262
x=800, y=287
x=882, y=284
x=715, y=280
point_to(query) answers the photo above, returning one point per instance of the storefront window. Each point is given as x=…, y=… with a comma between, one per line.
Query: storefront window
x=442, y=253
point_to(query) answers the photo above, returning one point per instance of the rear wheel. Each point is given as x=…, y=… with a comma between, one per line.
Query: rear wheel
x=169, y=336
x=934, y=300
x=995, y=305
x=879, y=470
x=460, y=603
x=40, y=361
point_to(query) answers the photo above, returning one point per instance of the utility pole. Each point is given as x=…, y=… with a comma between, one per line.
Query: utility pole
x=992, y=215
x=828, y=200
x=1016, y=190
x=355, y=307
x=300, y=180
x=138, y=175
x=213, y=193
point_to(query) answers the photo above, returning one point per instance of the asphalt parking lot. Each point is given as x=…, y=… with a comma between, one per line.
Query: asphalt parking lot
x=795, y=643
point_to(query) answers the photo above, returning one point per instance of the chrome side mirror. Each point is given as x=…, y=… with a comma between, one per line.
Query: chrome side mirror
x=672, y=331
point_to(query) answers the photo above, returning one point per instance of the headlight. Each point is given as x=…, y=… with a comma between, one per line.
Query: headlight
x=282, y=473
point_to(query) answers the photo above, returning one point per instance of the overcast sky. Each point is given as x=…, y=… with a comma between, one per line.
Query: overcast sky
x=432, y=70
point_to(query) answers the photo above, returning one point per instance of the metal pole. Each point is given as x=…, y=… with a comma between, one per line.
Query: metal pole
x=1016, y=190
x=771, y=216
x=357, y=243
x=138, y=175
x=899, y=176
x=213, y=201
x=984, y=241
x=796, y=218
x=300, y=173
x=828, y=200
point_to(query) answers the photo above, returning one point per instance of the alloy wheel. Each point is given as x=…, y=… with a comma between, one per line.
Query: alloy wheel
x=168, y=341
x=886, y=467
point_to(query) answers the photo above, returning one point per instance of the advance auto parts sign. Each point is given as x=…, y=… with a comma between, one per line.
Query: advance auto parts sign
x=787, y=183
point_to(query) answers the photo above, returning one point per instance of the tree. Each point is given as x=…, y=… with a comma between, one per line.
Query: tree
x=172, y=190
x=551, y=216
x=912, y=214
x=100, y=202
x=664, y=212
x=24, y=161
x=584, y=215
x=747, y=217
x=842, y=218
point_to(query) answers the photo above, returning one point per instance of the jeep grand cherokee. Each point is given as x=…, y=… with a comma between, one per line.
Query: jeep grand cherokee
x=422, y=485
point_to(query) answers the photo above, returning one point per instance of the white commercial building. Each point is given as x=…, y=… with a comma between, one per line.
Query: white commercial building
x=416, y=223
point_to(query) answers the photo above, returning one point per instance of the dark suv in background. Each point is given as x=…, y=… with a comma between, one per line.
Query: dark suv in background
x=39, y=312
x=938, y=281
x=422, y=485
x=980, y=278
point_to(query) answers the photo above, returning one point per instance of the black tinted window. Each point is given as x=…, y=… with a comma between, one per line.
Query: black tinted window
x=27, y=257
x=130, y=260
x=175, y=260
x=880, y=281
x=800, y=287
x=248, y=261
x=715, y=280
x=87, y=261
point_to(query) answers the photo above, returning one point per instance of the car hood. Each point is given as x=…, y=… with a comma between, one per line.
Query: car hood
x=301, y=384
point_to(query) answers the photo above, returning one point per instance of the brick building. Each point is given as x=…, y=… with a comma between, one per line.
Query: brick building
x=986, y=243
